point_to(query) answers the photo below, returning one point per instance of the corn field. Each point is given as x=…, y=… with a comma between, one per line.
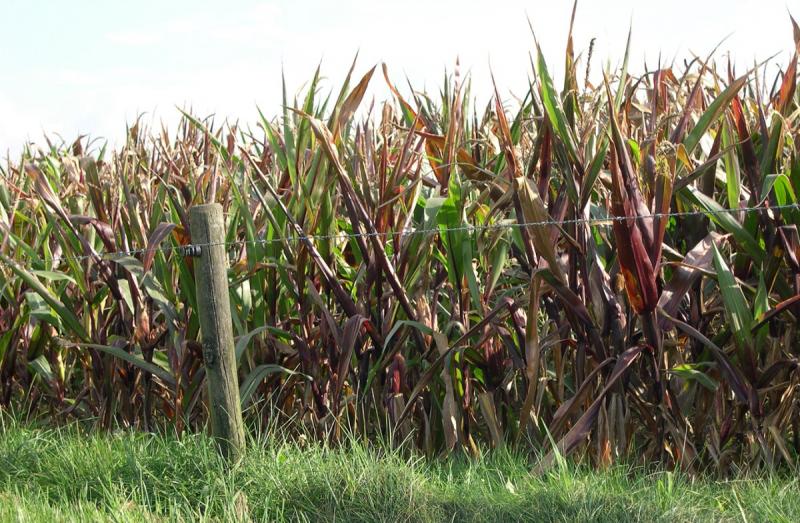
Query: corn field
x=610, y=271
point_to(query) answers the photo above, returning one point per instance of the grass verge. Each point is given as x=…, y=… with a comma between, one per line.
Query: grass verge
x=68, y=475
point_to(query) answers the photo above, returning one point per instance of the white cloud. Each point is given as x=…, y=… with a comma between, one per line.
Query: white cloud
x=243, y=26
x=134, y=38
x=20, y=123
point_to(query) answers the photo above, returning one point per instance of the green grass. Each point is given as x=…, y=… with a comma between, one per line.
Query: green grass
x=68, y=475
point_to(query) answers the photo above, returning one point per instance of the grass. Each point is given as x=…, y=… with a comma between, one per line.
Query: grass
x=65, y=474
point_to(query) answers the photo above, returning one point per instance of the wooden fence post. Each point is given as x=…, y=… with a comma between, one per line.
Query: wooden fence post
x=207, y=227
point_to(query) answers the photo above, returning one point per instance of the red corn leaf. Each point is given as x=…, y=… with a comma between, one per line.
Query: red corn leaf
x=104, y=230
x=584, y=425
x=777, y=309
x=351, y=103
x=739, y=385
x=640, y=281
x=783, y=101
x=160, y=233
x=751, y=167
x=634, y=237
x=685, y=275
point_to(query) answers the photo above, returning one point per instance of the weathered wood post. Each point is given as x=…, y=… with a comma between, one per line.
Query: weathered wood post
x=207, y=227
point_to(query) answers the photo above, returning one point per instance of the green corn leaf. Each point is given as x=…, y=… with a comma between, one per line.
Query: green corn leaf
x=243, y=341
x=691, y=372
x=53, y=276
x=457, y=240
x=594, y=170
x=41, y=310
x=733, y=175
x=67, y=316
x=256, y=376
x=132, y=358
x=760, y=308
x=740, y=318
x=711, y=114
x=41, y=367
x=727, y=221
x=554, y=111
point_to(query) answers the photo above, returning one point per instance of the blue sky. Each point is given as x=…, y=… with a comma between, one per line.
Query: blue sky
x=89, y=66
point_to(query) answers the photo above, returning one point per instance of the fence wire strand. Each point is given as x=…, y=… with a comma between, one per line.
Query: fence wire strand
x=605, y=221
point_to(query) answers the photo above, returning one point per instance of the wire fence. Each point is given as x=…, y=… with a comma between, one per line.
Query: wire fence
x=603, y=221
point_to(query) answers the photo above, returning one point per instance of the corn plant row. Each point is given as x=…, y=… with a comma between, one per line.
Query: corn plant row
x=381, y=281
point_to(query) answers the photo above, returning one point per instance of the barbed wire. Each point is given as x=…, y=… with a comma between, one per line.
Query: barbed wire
x=604, y=221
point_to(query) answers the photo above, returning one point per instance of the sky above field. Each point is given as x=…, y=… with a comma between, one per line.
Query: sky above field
x=88, y=67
